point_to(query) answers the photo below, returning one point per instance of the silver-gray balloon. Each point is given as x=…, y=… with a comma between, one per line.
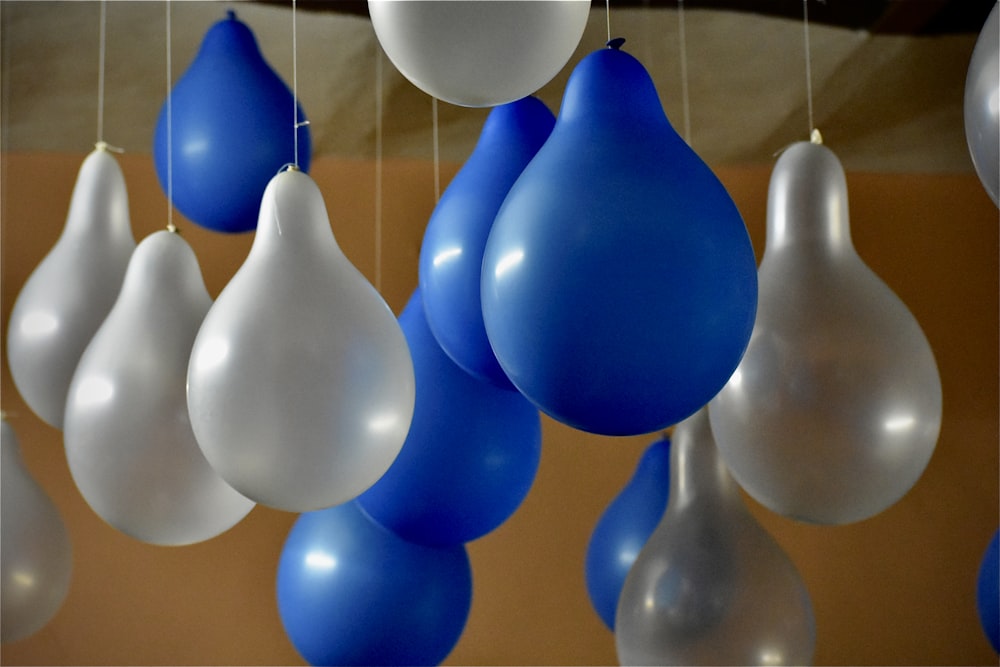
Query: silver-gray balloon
x=300, y=385
x=479, y=53
x=711, y=586
x=128, y=437
x=835, y=409
x=36, y=557
x=67, y=296
x=982, y=105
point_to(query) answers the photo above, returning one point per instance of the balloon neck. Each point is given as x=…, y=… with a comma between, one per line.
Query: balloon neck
x=616, y=43
x=228, y=38
x=698, y=473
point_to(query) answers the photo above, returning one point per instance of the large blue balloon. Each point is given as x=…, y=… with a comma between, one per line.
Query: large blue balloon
x=231, y=130
x=624, y=528
x=471, y=454
x=619, y=286
x=351, y=592
x=988, y=592
x=451, y=257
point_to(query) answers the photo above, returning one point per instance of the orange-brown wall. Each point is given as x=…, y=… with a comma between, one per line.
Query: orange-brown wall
x=897, y=589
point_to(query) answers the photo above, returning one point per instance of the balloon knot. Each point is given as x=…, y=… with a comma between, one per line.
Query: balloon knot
x=616, y=43
x=231, y=14
x=815, y=137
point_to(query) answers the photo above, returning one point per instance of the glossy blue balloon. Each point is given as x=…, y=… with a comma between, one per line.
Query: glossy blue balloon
x=471, y=454
x=451, y=257
x=351, y=592
x=988, y=592
x=624, y=528
x=231, y=130
x=619, y=286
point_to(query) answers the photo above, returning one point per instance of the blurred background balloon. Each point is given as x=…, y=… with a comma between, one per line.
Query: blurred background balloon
x=711, y=587
x=67, y=296
x=128, y=438
x=834, y=411
x=351, y=592
x=300, y=385
x=982, y=105
x=451, y=257
x=988, y=592
x=618, y=284
x=624, y=527
x=479, y=53
x=36, y=557
x=470, y=457
x=231, y=128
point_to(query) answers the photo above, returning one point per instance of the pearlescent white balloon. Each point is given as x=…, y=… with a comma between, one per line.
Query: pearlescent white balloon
x=711, y=587
x=982, y=105
x=36, y=557
x=835, y=409
x=68, y=294
x=479, y=53
x=128, y=438
x=300, y=385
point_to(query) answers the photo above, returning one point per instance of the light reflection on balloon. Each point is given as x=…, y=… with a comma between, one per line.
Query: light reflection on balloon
x=300, y=384
x=834, y=411
x=128, y=438
x=69, y=293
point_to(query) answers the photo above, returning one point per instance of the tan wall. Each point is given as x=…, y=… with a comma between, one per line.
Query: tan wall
x=896, y=589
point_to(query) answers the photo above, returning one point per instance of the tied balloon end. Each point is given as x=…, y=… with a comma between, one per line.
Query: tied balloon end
x=108, y=148
x=815, y=137
x=616, y=43
x=172, y=228
x=231, y=14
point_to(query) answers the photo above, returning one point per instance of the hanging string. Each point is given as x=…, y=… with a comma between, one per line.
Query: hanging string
x=296, y=123
x=102, y=46
x=607, y=12
x=682, y=42
x=809, y=91
x=437, y=150
x=378, y=167
x=170, y=131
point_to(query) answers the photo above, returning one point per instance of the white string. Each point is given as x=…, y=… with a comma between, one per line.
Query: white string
x=607, y=10
x=685, y=100
x=437, y=150
x=809, y=91
x=170, y=130
x=102, y=41
x=295, y=87
x=378, y=167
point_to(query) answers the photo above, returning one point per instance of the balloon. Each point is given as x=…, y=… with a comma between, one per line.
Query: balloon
x=834, y=412
x=982, y=106
x=618, y=284
x=230, y=127
x=451, y=257
x=988, y=592
x=36, y=557
x=624, y=527
x=470, y=457
x=128, y=438
x=351, y=592
x=479, y=53
x=300, y=385
x=711, y=587
x=68, y=294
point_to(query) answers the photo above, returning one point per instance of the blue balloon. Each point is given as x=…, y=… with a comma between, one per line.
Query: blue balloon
x=231, y=130
x=624, y=528
x=988, y=592
x=470, y=457
x=619, y=285
x=451, y=257
x=351, y=592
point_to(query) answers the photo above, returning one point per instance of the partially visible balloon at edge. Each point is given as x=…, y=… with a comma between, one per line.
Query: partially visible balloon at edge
x=982, y=105
x=988, y=592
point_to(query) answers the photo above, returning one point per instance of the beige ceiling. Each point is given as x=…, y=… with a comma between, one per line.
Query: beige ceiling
x=882, y=102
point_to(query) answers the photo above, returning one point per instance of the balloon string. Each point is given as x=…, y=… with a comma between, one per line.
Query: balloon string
x=437, y=150
x=809, y=86
x=102, y=41
x=607, y=13
x=170, y=130
x=378, y=167
x=296, y=124
x=685, y=100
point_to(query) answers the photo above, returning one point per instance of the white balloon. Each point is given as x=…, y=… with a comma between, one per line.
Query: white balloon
x=982, y=105
x=300, y=385
x=36, y=557
x=67, y=296
x=128, y=438
x=835, y=409
x=479, y=53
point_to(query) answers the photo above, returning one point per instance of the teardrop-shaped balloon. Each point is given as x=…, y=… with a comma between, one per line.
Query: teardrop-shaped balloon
x=988, y=592
x=470, y=457
x=229, y=120
x=624, y=527
x=618, y=284
x=479, y=53
x=711, y=586
x=834, y=411
x=69, y=293
x=36, y=557
x=300, y=385
x=128, y=438
x=351, y=592
x=451, y=257
x=982, y=105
